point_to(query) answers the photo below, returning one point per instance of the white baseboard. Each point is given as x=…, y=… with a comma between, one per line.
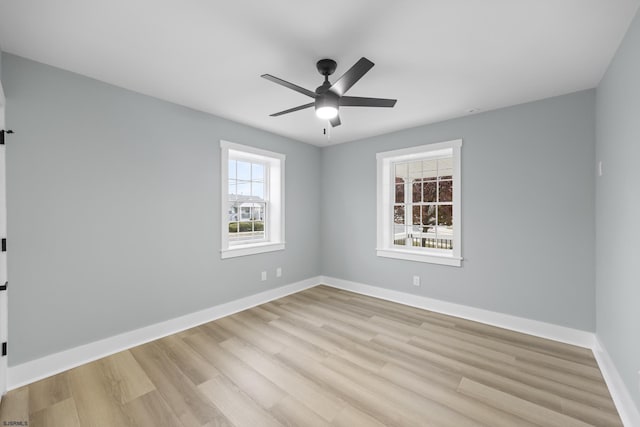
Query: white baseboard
x=507, y=321
x=619, y=393
x=37, y=369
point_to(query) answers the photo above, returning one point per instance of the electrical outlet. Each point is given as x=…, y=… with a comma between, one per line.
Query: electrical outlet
x=279, y=272
x=600, y=168
x=264, y=276
x=416, y=280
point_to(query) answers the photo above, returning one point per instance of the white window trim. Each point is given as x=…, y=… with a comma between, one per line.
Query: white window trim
x=385, y=186
x=274, y=238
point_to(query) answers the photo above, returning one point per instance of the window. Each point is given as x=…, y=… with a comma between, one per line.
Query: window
x=419, y=203
x=252, y=200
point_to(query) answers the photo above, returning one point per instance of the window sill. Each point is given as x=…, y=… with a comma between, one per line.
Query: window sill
x=250, y=249
x=432, y=258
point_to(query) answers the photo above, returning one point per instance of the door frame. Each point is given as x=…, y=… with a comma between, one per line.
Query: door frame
x=3, y=255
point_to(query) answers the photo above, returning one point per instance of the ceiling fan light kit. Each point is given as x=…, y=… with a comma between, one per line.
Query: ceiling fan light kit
x=327, y=106
x=328, y=98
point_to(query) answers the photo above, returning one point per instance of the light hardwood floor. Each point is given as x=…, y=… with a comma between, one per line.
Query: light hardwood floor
x=325, y=357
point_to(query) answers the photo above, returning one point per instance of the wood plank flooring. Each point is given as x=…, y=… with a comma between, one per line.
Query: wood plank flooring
x=326, y=357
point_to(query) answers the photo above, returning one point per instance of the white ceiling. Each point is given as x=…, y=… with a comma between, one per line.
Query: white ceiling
x=439, y=58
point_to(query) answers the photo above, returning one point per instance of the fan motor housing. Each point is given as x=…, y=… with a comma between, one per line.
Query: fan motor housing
x=327, y=99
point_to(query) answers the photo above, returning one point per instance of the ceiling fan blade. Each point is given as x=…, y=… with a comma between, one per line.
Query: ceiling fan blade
x=289, y=85
x=355, y=73
x=291, y=110
x=335, y=121
x=356, y=101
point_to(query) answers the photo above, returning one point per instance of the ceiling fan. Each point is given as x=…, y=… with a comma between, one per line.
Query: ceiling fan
x=328, y=98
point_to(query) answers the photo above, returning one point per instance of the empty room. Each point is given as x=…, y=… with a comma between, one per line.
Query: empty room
x=345, y=213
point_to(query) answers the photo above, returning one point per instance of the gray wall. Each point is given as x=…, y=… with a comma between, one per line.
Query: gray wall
x=114, y=215
x=528, y=217
x=113, y=210
x=618, y=210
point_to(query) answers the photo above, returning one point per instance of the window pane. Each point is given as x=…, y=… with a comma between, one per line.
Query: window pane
x=232, y=189
x=257, y=213
x=398, y=214
x=429, y=215
x=445, y=168
x=257, y=172
x=248, y=222
x=445, y=191
x=417, y=192
x=257, y=189
x=429, y=232
x=233, y=228
x=244, y=188
x=445, y=215
x=399, y=193
x=399, y=235
x=401, y=171
x=416, y=215
x=445, y=238
x=445, y=233
x=415, y=235
x=233, y=212
x=245, y=213
x=415, y=170
x=244, y=170
x=429, y=191
x=430, y=169
x=437, y=242
x=232, y=169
